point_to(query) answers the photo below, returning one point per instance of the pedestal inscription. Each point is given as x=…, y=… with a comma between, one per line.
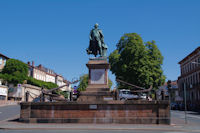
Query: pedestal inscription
x=97, y=76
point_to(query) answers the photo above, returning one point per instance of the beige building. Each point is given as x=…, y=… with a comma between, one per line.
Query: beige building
x=41, y=73
x=47, y=75
x=60, y=81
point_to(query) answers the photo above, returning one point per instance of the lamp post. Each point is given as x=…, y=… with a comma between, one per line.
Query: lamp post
x=169, y=86
x=185, y=99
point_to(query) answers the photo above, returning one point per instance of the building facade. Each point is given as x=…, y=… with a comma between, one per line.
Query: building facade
x=47, y=75
x=3, y=89
x=190, y=78
x=174, y=92
x=3, y=60
x=3, y=93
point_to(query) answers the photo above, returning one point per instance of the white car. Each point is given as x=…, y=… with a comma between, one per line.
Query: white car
x=142, y=96
x=126, y=95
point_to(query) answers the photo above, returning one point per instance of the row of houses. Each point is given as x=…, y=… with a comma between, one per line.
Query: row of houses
x=37, y=72
x=47, y=75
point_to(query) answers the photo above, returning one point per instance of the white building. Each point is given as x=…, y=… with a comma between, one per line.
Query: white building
x=47, y=75
x=3, y=92
x=3, y=89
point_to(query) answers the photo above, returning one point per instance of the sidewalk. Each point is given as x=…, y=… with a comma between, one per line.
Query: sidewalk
x=176, y=127
x=5, y=103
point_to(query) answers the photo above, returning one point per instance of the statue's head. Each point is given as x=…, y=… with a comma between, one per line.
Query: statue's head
x=96, y=25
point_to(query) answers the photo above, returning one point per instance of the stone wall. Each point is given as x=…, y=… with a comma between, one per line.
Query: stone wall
x=34, y=92
x=128, y=112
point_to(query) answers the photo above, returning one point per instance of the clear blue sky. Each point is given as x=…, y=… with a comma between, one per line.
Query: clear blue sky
x=55, y=33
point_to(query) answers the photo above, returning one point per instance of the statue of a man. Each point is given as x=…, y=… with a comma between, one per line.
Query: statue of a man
x=97, y=45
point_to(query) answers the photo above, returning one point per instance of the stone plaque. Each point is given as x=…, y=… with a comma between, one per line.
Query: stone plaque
x=97, y=76
x=107, y=98
x=92, y=106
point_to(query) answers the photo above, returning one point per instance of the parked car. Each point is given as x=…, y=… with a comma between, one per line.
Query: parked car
x=127, y=95
x=174, y=106
x=38, y=99
x=143, y=96
x=181, y=106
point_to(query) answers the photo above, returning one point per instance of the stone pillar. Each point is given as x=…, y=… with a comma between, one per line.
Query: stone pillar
x=98, y=72
x=98, y=88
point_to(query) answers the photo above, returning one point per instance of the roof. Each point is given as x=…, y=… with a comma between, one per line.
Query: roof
x=4, y=56
x=173, y=84
x=67, y=82
x=190, y=55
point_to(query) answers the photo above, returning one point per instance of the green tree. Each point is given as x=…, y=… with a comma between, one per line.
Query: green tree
x=136, y=62
x=83, y=83
x=14, y=72
x=110, y=83
x=155, y=61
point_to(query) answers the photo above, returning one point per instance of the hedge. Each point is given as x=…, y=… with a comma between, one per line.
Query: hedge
x=39, y=83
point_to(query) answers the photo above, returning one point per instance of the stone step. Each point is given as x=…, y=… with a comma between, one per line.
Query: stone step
x=95, y=93
x=97, y=89
x=120, y=120
x=94, y=98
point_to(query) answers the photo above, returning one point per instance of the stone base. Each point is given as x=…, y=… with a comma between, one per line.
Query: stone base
x=95, y=96
x=128, y=112
x=133, y=120
x=96, y=93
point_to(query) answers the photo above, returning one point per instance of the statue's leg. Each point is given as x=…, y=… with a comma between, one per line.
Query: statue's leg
x=104, y=52
x=101, y=53
x=100, y=49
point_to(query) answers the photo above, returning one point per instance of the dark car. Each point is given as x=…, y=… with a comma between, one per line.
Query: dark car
x=181, y=106
x=174, y=106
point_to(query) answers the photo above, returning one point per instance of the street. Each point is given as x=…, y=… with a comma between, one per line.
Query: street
x=192, y=117
x=10, y=111
x=177, y=125
x=88, y=131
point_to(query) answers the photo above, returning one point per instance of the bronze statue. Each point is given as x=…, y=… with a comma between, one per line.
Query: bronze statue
x=97, y=45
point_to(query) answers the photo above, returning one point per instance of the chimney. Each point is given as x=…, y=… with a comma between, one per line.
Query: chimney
x=33, y=64
x=40, y=66
x=29, y=63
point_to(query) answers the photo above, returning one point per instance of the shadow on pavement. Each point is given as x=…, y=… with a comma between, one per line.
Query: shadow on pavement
x=14, y=120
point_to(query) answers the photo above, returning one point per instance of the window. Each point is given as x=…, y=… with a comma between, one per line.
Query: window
x=2, y=97
x=1, y=60
x=4, y=61
x=199, y=95
x=198, y=60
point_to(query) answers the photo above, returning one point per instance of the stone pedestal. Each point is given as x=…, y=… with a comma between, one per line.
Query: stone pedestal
x=98, y=88
x=119, y=112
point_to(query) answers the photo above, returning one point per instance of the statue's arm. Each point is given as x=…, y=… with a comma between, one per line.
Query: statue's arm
x=101, y=33
x=91, y=35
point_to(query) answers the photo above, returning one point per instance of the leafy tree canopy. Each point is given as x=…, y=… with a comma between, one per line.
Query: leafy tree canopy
x=84, y=82
x=14, y=72
x=136, y=62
